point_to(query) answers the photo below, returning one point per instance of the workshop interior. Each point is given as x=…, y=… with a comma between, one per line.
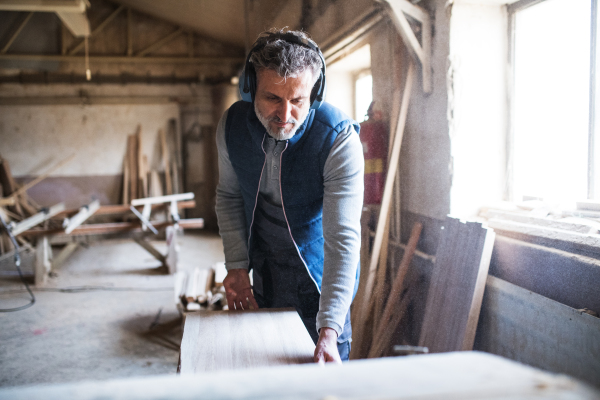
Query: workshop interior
x=439, y=186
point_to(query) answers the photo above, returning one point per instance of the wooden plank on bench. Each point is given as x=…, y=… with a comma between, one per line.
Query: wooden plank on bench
x=220, y=340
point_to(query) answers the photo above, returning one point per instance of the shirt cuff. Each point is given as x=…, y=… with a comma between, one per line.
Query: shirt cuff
x=330, y=324
x=236, y=265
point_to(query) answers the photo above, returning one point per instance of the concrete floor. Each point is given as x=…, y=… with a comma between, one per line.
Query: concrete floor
x=118, y=320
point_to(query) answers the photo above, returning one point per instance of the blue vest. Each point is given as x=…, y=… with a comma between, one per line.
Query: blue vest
x=301, y=183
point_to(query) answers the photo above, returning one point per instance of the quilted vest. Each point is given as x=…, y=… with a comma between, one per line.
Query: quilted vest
x=302, y=164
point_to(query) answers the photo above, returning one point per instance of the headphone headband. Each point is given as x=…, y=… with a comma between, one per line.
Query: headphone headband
x=247, y=82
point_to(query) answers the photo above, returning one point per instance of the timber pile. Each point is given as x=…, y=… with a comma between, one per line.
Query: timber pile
x=16, y=206
x=139, y=180
x=198, y=289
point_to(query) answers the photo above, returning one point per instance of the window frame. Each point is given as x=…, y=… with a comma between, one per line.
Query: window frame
x=512, y=10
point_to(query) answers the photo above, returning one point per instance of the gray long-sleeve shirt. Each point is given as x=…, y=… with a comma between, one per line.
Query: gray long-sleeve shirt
x=342, y=204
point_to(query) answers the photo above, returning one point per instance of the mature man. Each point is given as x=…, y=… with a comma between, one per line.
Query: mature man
x=290, y=192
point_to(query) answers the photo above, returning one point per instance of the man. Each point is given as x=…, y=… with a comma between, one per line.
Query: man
x=290, y=193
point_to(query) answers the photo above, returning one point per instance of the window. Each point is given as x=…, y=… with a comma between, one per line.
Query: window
x=363, y=94
x=552, y=130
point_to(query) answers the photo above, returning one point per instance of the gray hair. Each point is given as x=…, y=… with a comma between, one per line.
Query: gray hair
x=285, y=58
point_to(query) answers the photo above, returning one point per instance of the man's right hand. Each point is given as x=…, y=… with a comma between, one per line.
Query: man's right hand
x=238, y=290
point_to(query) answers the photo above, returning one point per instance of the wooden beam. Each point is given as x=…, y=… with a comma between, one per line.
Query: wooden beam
x=386, y=201
x=42, y=261
x=119, y=209
x=37, y=219
x=44, y=5
x=77, y=22
x=158, y=44
x=98, y=29
x=151, y=249
x=16, y=33
x=116, y=227
x=64, y=254
x=84, y=213
x=116, y=59
x=420, y=51
x=129, y=32
x=385, y=325
x=163, y=199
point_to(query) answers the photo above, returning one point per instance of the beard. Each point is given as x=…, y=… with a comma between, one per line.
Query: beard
x=278, y=133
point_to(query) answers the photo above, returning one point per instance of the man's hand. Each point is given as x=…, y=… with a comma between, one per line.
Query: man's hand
x=238, y=290
x=326, y=350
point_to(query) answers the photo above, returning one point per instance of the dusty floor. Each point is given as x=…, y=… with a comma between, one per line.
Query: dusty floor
x=116, y=319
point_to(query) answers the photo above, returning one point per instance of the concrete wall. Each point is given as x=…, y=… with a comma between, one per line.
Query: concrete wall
x=35, y=137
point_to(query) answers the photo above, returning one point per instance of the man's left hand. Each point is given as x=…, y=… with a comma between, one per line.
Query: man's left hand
x=326, y=350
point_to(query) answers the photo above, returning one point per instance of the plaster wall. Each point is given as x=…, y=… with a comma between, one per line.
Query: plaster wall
x=425, y=157
x=33, y=138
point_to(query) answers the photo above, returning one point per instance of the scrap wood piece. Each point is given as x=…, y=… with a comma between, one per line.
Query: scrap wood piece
x=166, y=161
x=64, y=254
x=180, y=279
x=456, y=288
x=365, y=308
x=40, y=178
x=384, y=336
x=384, y=325
x=132, y=162
x=191, y=291
x=172, y=257
x=202, y=280
x=84, y=213
x=220, y=273
x=219, y=340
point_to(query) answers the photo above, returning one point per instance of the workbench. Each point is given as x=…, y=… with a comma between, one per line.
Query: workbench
x=459, y=375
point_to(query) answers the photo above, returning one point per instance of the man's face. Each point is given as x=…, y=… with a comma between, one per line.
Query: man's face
x=281, y=104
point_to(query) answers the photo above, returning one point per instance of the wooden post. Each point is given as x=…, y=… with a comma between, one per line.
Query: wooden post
x=42, y=261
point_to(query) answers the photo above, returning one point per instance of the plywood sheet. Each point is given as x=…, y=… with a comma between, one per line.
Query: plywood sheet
x=219, y=340
x=456, y=288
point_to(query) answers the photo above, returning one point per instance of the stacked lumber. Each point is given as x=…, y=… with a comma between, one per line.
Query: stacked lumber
x=139, y=181
x=196, y=289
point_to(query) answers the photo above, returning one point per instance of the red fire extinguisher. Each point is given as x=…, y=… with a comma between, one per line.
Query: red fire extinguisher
x=373, y=135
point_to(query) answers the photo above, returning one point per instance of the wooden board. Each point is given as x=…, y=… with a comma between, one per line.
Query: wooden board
x=457, y=284
x=223, y=340
x=464, y=375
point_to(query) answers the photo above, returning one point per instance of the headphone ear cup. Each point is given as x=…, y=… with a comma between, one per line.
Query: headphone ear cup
x=246, y=96
x=317, y=95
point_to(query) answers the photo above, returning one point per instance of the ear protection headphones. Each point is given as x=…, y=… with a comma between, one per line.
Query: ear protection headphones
x=247, y=83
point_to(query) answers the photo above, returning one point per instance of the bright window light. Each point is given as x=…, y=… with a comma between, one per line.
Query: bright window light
x=363, y=96
x=551, y=98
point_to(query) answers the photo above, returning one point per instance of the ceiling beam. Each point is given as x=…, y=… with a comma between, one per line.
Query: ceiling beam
x=74, y=6
x=77, y=23
x=123, y=59
x=16, y=33
x=98, y=29
x=156, y=45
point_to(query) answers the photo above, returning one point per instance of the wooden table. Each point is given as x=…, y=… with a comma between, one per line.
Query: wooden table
x=460, y=375
x=219, y=340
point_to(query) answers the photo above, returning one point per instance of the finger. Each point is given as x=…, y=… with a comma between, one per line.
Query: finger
x=253, y=302
x=239, y=304
x=230, y=300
